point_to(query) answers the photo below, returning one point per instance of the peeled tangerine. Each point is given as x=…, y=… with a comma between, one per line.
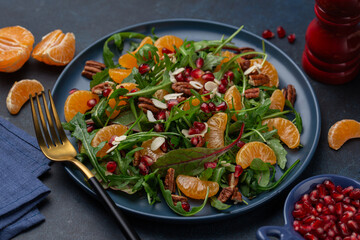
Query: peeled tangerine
x=253, y=150
x=287, y=131
x=342, y=131
x=195, y=188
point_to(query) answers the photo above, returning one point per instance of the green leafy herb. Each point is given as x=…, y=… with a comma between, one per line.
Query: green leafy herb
x=216, y=203
x=279, y=151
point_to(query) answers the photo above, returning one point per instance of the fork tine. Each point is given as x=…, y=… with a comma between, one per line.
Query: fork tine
x=51, y=125
x=43, y=123
x=57, y=120
x=38, y=133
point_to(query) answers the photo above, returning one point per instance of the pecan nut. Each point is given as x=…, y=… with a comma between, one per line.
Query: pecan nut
x=244, y=64
x=177, y=198
x=252, y=93
x=98, y=89
x=182, y=87
x=290, y=93
x=247, y=49
x=236, y=197
x=146, y=104
x=169, y=182
x=225, y=194
x=258, y=79
x=137, y=158
x=91, y=68
x=232, y=180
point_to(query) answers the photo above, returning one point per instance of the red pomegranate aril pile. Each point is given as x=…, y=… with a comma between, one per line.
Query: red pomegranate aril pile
x=267, y=34
x=210, y=165
x=197, y=73
x=281, y=32
x=159, y=127
x=221, y=107
x=238, y=171
x=222, y=88
x=187, y=71
x=212, y=107
x=171, y=103
x=208, y=77
x=229, y=75
x=291, y=38
x=161, y=115
x=144, y=68
x=328, y=212
x=111, y=166
x=197, y=128
x=224, y=81
x=147, y=160
x=144, y=169
x=73, y=90
x=180, y=77
x=166, y=51
x=91, y=103
x=199, y=62
x=205, y=107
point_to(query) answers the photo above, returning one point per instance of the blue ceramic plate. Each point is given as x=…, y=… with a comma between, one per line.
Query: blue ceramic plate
x=289, y=73
x=306, y=186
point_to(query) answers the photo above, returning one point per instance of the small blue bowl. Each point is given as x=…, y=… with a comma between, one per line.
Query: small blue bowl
x=306, y=186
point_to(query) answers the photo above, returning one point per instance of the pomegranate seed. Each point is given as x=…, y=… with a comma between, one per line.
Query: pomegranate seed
x=212, y=107
x=267, y=34
x=355, y=194
x=238, y=171
x=314, y=196
x=199, y=63
x=194, y=141
x=347, y=190
x=322, y=190
x=325, y=210
x=299, y=213
x=329, y=185
x=89, y=129
x=357, y=217
x=338, y=238
x=106, y=92
x=189, y=78
x=91, y=103
x=303, y=229
x=210, y=165
x=180, y=77
x=73, y=90
x=229, y=75
x=161, y=115
x=329, y=200
x=338, y=208
x=112, y=139
x=159, y=127
x=188, y=71
x=197, y=73
x=144, y=68
x=205, y=107
x=144, y=169
x=111, y=166
x=356, y=203
x=353, y=225
x=193, y=131
x=347, y=200
x=296, y=225
x=338, y=189
x=328, y=225
x=224, y=81
x=164, y=147
x=349, y=208
x=121, y=86
x=331, y=233
x=337, y=196
x=222, y=88
x=331, y=208
x=344, y=229
x=240, y=144
x=185, y=206
x=208, y=77
x=309, y=219
x=335, y=229
x=291, y=38
x=319, y=207
x=310, y=236
x=346, y=216
x=305, y=198
x=166, y=51
x=171, y=103
x=201, y=126
x=133, y=90
x=317, y=224
x=281, y=32
x=221, y=107
x=299, y=205
x=314, y=212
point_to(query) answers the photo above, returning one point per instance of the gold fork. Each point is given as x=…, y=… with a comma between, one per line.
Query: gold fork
x=59, y=148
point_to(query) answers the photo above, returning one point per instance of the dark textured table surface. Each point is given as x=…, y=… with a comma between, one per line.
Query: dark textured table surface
x=70, y=212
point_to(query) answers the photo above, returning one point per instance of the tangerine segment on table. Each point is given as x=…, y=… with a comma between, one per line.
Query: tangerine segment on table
x=269, y=70
x=16, y=44
x=253, y=150
x=104, y=134
x=112, y=102
x=286, y=130
x=217, y=125
x=195, y=188
x=147, y=150
x=168, y=42
x=55, y=48
x=77, y=102
x=19, y=94
x=277, y=100
x=118, y=75
x=233, y=96
x=342, y=131
x=129, y=61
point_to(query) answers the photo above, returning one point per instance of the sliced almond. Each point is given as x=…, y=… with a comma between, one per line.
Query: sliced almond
x=159, y=104
x=150, y=116
x=177, y=71
x=172, y=96
x=186, y=132
x=217, y=81
x=172, y=79
x=156, y=143
x=120, y=138
x=210, y=86
x=112, y=148
x=196, y=84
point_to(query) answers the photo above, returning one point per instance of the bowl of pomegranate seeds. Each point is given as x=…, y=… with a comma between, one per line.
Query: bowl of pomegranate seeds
x=321, y=207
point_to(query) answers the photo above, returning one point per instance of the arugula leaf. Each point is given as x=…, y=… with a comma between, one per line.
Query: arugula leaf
x=216, y=203
x=150, y=186
x=211, y=61
x=279, y=150
x=100, y=77
x=261, y=172
x=98, y=112
x=124, y=183
x=298, y=120
x=205, y=175
x=178, y=208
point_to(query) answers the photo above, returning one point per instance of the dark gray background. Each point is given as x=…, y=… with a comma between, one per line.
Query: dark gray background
x=71, y=213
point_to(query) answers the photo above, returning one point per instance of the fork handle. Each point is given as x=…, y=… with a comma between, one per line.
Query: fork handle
x=128, y=231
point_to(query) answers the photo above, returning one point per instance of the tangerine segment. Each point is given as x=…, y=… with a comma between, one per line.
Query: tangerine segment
x=217, y=126
x=253, y=150
x=112, y=102
x=233, y=99
x=227, y=56
x=118, y=75
x=55, y=48
x=342, y=131
x=194, y=102
x=19, y=94
x=168, y=42
x=195, y=188
x=105, y=134
x=269, y=70
x=286, y=130
x=277, y=100
x=77, y=102
x=127, y=60
x=147, y=150
x=16, y=44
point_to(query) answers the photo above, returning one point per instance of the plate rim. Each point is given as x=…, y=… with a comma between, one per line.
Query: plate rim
x=221, y=215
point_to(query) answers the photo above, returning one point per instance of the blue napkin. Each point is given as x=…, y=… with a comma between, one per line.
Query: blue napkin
x=21, y=163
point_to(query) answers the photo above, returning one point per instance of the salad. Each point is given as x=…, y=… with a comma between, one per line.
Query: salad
x=200, y=120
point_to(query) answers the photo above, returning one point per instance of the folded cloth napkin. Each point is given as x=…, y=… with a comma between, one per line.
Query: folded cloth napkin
x=21, y=163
